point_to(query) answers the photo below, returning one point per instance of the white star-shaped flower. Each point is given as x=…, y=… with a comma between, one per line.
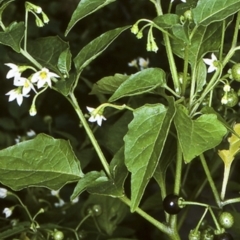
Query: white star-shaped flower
x=3, y=192
x=16, y=94
x=95, y=117
x=212, y=62
x=143, y=63
x=7, y=212
x=14, y=72
x=43, y=77
x=26, y=85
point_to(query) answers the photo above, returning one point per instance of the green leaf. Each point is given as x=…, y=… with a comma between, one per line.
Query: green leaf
x=108, y=85
x=207, y=12
x=167, y=20
x=114, y=186
x=42, y=162
x=19, y=228
x=181, y=32
x=205, y=39
x=64, y=62
x=119, y=128
x=47, y=51
x=65, y=86
x=197, y=136
x=113, y=211
x=89, y=179
x=96, y=47
x=144, y=143
x=13, y=36
x=85, y=8
x=210, y=110
x=140, y=82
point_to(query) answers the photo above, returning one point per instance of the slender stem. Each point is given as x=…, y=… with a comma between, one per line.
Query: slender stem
x=95, y=144
x=225, y=180
x=30, y=58
x=23, y=205
x=162, y=227
x=25, y=30
x=230, y=201
x=210, y=180
x=236, y=31
x=178, y=174
x=82, y=221
x=172, y=63
x=185, y=71
x=222, y=40
x=177, y=183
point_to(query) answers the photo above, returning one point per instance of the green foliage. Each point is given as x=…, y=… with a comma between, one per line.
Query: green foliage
x=84, y=9
x=141, y=159
x=13, y=36
x=176, y=110
x=43, y=161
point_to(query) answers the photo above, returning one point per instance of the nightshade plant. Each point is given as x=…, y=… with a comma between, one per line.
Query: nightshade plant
x=174, y=143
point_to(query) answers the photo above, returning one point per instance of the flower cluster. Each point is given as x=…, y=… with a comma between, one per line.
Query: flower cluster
x=139, y=63
x=24, y=85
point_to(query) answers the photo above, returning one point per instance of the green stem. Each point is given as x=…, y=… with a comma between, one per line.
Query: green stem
x=210, y=180
x=236, y=31
x=222, y=40
x=225, y=180
x=185, y=71
x=25, y=31
x=178, y=174
x=230, y=201
x=162, y=227
x=95, y=144
x=30, y=58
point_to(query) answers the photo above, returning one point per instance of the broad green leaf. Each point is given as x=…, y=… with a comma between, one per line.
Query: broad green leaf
x=13, y=36
x=197, y=136
x=210, y=110
x=140, y=82
x=19, y=228
x=42, y=162
x=207, y=12
x=85, y=8
x=201, y=75
x=64, y=62
x=96, y=47
x=2, y=8
x=47, y=51
x=113, y=211
x=166, y=21
x=114, y=186
x=144, y=143
x=108, y=85
x=181, y=32
x=65, y=86
x=205, y=39
x=105, y=135
x=89, y=179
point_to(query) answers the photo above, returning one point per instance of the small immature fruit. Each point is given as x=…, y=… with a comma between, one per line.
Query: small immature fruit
x=58, y=235
x=97, y=210
x=236, y=72
x=232, y=99
x=223, y=236
x=226, y=220
x=171, y=204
